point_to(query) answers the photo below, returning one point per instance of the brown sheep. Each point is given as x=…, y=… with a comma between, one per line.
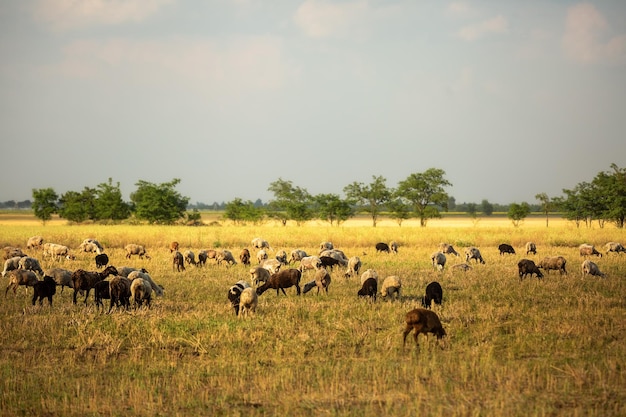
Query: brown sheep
x=86, y=280
x=531, y=248
x=587, y=250
x=244, y=256
x=422, y=321
x=34, y=242
x=19, y=277
x=12, y=252
x=173, y=247
x=133, y=249
x=283, y=279
x=528, y=267
x=553, y=262
x=119, y=288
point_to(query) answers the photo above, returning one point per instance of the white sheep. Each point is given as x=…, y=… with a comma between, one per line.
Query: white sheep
x=225, y=255
x=393, y=245
x=140, y=291
x=54, y=250
x=261, y=256
x=369, y=273
x=354, y=265
x=310, y=262
x=392, y=286
x=31, y=264
x=614, y=247
x=281, y=256
x=438, y=260
x=91, y=245
x=448, y=249
x=297, y=255
x=473, y=253
x=234, y=294
x=587, y=250
x=326, y=246
x=34, y=242
x=190, y=257
x=134, y=249
x=124, y=271
x=248, y=301
x=259, y=243
x=322, y=282
x=259, y=275
x=272, y=265
x=591, y=268
x=461, y=267
x=531, y=247
x=158, y=289
x=19, y=277
x=11, y=264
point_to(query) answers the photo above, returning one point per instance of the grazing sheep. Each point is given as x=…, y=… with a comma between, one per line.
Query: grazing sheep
x=34, y=242
x=91, y=245
x=261, y=256
x=433, y=293
x=124, y=271
x=234, y=294
x=134, y=249
x=62, y=277
x=11, y=264
x=461, y=267
x=86, y=280
x=102, y=260
x=140, y=291
x=56, y=251
x=506, y=248
x=369, y=273
x=259, y=274
x=438, y=260
x=225, y=256
x=326, y=246
x=392, y=287
x=173, y=246
x=44, y=289
x=310, y=262
x=297, y=255
x=422, y=321
x=283, y=279
x=328, y=262
x=259, y=243
x=158, y=289
x=591, y=268
x=248, y=301
x=587, y=250
x=393, y=246
x=244, y=257
x=369, y=288
x=31, y=264
x=531, y=248
x=614, y=247
x=526, y=267
x=272, y=265
x=322, y=282
x=119, y=290
x=101, y=292
x=382, y=247
x=354, y=265
x=473, y=253
x=178, y=262
x=335, y=254
x=281, y=256
x=205, y=255
x=19, y=277
x=190, y=257
x=12, y=252
x=553, y=262
x=447, y=249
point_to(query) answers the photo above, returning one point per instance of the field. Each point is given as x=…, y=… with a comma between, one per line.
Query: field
x=546, y=347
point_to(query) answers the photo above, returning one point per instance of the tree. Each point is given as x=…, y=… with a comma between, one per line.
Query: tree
x=373, y=196
x=194, y=218
x=240, y=211
x=398, y=210
x=546, y=205
x=290, y=203
x=486, y=207
x=471, y=210
x=109, y=203
x=159, y=203
x=78, y=207
x=609, y=190
x=44, y=203
x=331, y=208
x=518, y=212
x=425, y=192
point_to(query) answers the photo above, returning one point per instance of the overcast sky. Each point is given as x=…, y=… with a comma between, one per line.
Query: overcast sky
x=509, y=98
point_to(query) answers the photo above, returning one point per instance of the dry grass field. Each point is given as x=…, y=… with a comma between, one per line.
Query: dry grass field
x=546, y=347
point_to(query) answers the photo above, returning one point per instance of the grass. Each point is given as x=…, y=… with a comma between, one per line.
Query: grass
x=530, y=348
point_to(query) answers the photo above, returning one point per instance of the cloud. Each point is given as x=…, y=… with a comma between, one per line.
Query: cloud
x=582, y=40
x=498, y=24
x=63, y=15
x=458, y=8
x=322, y=19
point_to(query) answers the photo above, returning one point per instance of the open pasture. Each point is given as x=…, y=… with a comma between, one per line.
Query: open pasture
x=532, y=348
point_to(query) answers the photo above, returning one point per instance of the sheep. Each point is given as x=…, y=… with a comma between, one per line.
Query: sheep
x=526, y=267
x=281, y=256
x=433, y=293
x=102, y=260
x=85, y=280
x=553, y=262
x=31, y=264
x=422, y=321
x=234, y=294
x=369, y=288
x=205, y=255
x=158, y=289
x=614, y=247
x=124, y=271
x=259, y=243
x=354, y=265
x=19, y=277
x=473, y=253
x=587, y=250
x=393, y=245
x=438, y=260
x=101, y=292
x=173, y=246
x=12, y=252
x=382, y=247
x=392, y=287
x=119, y=291
x=310, y=262
x=283, y=279
x=44, y=289
x=190, y=257
x=506, y=248
x=259, y=274
x=591, y=268
x=248, y=301
x=91, y=245
x=140, y=291
x=461, y=267
x=328, y=262
x=272, y=265
x=322, y=282
x=225, y=256
x=326, y=246
x=178, y=262
x=34, y=242
x=297, y=255
x=134, y=249
x=11, y=264
x=531, y=248
x=335, y=254
x=447, y=249
x=261, y=256
x=56, y=251
x=62, y=277
x=244, y=257
x=369, y=273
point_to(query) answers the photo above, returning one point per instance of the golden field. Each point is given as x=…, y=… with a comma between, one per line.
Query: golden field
x=546, y=347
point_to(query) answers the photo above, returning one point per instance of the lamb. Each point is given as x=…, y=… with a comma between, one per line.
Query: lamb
x=281, y=256
x=310, y=262
x=382, y=247
x=591, y=268
x=369, y=288
x=86, y=280
x=297, y=255
x=393, y=246
x=56, y=251
x=422, y=321
x=91, y=245
x=134, y=249
x=392, y=287
x=447, y=249
x=614, y=247
x=34, y=242
x=12, y=252
x=62, y=277
x=531, y=248
x=322, y=282
x=44, y=289
x=283, y=279
x=119, y=291
x=354, y=265
x=102, y=260
x=234, y=294
x=438, y=260
x=261, y=256
x=248, y=301
x=31, y=264
x=272, y=265
x=553, y=262
x=190, y=257
x=124, y=271
x=11, y=264
x=158, y=289
x=369, y=273
x=506, y=248
x=433, y=293
x=225, y=256
x=473, y=253
x=587, y=250
x=528, y=267
x=259, y=274
x=178, y=262
x=461, y=267
x=140, y=291
x=173, y=246
x=326, y=246
x=244, y=257
x=19, y=277
x=259, y=243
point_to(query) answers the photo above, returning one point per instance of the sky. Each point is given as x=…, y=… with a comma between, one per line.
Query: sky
x=509, y=98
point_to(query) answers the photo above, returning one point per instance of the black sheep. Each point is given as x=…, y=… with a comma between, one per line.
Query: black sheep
x=102, y=260
x=434, y=292
x=328, y=261
x=369, y=289
x=44, y=289
x=526, y=267
x=506, y=248
x=382, y=247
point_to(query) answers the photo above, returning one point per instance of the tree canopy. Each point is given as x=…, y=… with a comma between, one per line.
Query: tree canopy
x=159, y=203
x=373, y=195
x=426, y=193
x=44, y=203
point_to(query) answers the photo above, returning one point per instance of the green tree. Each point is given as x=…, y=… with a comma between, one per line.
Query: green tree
x=425, y=192
x=518, y=212
x=44, y=203
x=293, y=202
x=109, y=203
x=486, y=207
x=373, y=195
x=193, y=218
x=398, y=210
x=331, y=208
x=78, y=207
x=159, y=203
x=609, y=190
x=546, y=205
x=472, y=210
x=240, y=211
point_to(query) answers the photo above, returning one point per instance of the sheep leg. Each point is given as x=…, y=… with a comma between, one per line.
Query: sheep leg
x=87, y=296
x=406, y=332
x=283, y=290
x=49, y=300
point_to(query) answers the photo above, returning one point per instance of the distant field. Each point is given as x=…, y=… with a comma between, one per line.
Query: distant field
x=547, y=347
